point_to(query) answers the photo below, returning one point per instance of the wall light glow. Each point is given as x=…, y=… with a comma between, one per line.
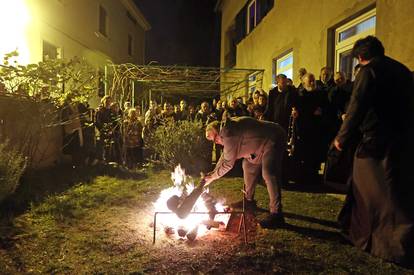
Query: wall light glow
x=14, y=23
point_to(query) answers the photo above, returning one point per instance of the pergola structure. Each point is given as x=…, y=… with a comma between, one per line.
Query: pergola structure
x=137, y=82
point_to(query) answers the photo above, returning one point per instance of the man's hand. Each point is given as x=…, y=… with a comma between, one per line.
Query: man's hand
x=337, y=145
x=207, y=179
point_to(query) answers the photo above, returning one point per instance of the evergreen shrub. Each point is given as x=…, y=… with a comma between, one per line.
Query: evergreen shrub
x=12, y=166
x=182, y=143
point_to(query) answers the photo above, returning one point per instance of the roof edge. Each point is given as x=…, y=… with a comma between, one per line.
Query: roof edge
x=135, y=11
x=218, y=6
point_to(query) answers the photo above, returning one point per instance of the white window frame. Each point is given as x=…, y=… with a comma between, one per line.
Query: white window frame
x=281, y=70
x=253, y=2
x=347, y=44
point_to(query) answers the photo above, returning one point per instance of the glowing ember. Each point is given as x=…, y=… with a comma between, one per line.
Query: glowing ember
x=194, y=223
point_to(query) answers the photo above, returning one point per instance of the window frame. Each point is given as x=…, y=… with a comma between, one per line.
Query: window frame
x=341, y=47
x=248, y=30
x=279, y=59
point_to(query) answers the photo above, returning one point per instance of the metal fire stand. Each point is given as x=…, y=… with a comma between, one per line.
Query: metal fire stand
x=242, y=221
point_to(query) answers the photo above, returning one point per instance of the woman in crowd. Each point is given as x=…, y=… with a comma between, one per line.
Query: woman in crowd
x=133, y=139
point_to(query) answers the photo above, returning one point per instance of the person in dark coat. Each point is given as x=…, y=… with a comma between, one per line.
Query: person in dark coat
x=338, y=165
x=116, y=116
x=133, y=141
x=382, y=108
x=340, y=94
x=281, y=100
x=103, y=123
x=325, y=81
x=261, y=145
x=337, y=96
x=309, y=113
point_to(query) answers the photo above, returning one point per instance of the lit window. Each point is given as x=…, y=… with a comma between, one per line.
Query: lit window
x=130, y=45
x=103, y=21
x=357, y=29
x=345, y=37
x=283, y=65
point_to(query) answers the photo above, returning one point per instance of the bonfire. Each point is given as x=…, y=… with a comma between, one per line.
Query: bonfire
x=205, y=214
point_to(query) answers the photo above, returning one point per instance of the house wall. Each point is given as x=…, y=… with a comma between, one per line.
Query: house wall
x=73, y=27
x=303, y=26
x=22, y=124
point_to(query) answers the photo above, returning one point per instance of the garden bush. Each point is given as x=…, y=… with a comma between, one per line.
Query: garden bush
x=12, y=166
x=182, y=143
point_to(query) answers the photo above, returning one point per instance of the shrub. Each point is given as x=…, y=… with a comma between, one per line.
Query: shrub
x=12, y=166
x=182, y=143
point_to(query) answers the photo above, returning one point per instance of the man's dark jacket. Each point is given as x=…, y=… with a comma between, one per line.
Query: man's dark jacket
x=382, y=211
x=279, y=106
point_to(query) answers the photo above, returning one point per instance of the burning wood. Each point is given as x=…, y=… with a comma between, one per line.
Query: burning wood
x=183, y=206
x=194, y=210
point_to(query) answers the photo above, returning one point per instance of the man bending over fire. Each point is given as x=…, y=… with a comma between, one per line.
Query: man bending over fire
x=261, y=144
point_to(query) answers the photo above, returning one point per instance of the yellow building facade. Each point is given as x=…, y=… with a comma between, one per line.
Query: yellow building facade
x=283, y=36
x=99, y=30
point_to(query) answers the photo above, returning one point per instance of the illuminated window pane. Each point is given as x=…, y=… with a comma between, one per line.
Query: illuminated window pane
x=286, y=62
x=358, y=28
x=346, y=35
x=288, y=73
x=283, y=65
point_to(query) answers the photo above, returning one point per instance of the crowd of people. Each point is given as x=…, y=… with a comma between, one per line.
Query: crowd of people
x=331, y=113
x=313, y=110
x=372, y=117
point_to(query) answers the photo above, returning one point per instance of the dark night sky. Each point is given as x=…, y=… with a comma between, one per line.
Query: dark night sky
x=184, y=32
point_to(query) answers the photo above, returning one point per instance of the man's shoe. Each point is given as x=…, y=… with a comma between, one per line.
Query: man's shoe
x=248, y=205
x=273, y=220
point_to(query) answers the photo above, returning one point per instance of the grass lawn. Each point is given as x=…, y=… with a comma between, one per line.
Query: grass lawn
x=103, y=225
